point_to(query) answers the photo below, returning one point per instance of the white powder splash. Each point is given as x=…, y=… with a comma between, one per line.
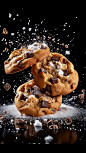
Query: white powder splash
x=64, y=112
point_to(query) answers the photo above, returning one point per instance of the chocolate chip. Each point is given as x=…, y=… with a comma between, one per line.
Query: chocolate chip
x=23, y=97
x=44, y=103
x=28, y=54
x=42, y=70
x=48, y=88
x=43, y=47
x=65, y=72
x=65, y=61
x=72, y=85
x=33, y=89
x=53, y=80
x=56, y=58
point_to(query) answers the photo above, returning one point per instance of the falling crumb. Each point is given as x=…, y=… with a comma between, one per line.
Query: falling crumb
x=6, y=49
x=5, y=31
x=7, y=86
x=57, y=48
x=66, y=46
x=5, y=112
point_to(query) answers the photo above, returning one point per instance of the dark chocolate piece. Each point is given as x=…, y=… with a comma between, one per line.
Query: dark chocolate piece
x=56, y=58
x=72, y=85
x=81, y=97
x=44, y=103
x=65, y=72
x=28, y=54
x=65, y=61
x=42, y=70
x=23, y=97
x=53, y=80
x=43, y=47
x=48, y=88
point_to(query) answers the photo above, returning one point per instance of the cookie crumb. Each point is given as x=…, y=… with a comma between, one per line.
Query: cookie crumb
x=68, y=121
x=62, y=44
x=2, y=118
x=5, y=31
x=5, y=112
x=66, y=46
x=6, y=49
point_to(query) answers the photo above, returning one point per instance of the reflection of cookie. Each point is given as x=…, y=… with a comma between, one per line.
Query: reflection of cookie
x=55, y=75
x=30, y=100
x=23, y=58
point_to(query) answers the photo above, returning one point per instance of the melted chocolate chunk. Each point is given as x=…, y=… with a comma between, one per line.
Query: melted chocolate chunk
x=28, y=54
x=23, y=97
x=48, y=88
x=65, y=61
x=42, y=70
x=53, y=80
x=56, y=58
x=65, y=72
x=44, y=103
x=43, y=47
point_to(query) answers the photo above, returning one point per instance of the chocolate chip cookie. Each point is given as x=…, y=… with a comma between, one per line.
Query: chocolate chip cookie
x=23, y=58
x=30, y=100
x=55, y=75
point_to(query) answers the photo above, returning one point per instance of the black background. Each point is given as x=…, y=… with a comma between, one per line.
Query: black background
x=64, y=23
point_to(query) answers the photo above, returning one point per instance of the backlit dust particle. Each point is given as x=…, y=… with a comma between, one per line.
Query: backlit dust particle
x=5, y=31
x=7, y=86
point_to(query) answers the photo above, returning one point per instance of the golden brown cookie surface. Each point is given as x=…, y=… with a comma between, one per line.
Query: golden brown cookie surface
x=23, y=58
x=55, y=75
x=30, y=100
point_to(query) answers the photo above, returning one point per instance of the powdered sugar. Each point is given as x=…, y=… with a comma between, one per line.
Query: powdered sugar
x=64, y=112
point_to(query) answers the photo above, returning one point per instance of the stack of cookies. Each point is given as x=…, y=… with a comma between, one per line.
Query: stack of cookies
x=54, y=76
